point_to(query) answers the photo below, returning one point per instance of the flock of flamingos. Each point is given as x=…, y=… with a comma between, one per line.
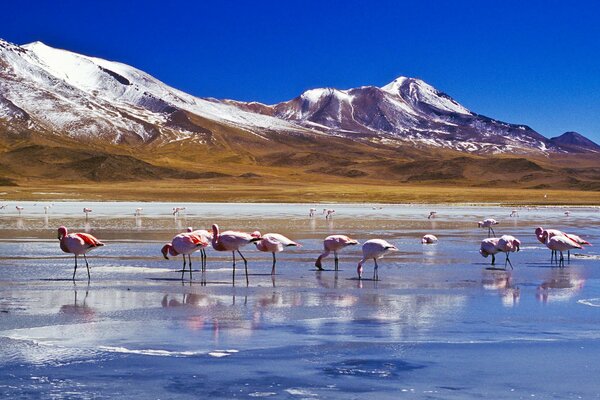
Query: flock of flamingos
x=186, y=243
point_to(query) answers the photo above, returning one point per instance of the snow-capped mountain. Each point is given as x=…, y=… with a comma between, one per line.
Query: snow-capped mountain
x=43, y=89
x=410, y=110
x=86, y=97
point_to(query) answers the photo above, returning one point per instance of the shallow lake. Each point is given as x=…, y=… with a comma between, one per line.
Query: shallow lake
x=439, y=324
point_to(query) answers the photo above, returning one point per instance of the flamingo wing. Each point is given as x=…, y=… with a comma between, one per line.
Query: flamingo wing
x=89, y=239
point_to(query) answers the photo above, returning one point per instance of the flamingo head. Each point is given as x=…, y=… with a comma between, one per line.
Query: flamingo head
x=539, y=231
x=190, y=229
x=484, y=253
x=479, y=224
x=256, y=234
x=517, y=244
x=62, y=232
x=165, y=250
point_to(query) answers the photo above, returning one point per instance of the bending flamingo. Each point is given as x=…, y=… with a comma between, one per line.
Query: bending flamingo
x=334, y=243
x=488, y=223
x=374, y=249
x=508, y=244
x=207, y=237
x=560, y=244
x=273, y=243
x=78, y=244
x=429, y=239
x=232, y=241
x=184, y=244
x=489, y=247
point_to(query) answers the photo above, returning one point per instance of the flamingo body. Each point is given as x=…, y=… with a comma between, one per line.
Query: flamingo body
x=489, y=247
x=77, y=244
x=374, y=249
x=184, y=244
x=232, y=241
x=488, y=223
x=334, y=243
x=429, y=239
x=273, y=243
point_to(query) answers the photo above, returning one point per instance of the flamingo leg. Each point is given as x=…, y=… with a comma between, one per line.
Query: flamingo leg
x=336, y=259
x=376, y=271
x=562, y=259
x=245, y=267
x=569, y=256
x=273, y=268
x=233, y=253
x=75, y=270
x=190, y=261
x=203, y=258
x=493, y=259
x=183, y=268
x=87, y=266
x=508, y=261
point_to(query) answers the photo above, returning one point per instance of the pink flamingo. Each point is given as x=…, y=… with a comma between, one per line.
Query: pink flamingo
x=559, y=243
x=488, y=223
x=539, y=231
x=489, y=247
x=78, y=244
x=232, y=241
x=334, y=243
x=273, y=243
x=19, y=209
x=429, y=239
x=207, y=237
x=508, y=244
x=432, y=214
x=86, y=211
x=374, y=249
x=328, y=213
x=184, y=244
x=311, y=212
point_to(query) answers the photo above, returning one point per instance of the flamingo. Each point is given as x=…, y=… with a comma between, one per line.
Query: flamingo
x=78, y=244
x=311, y=212
x=232, y=241
x=328, y=213
x=374, y=249
x=559, y=243
x=86, y=211
x=567, y=213
x=488, y=223
x=514, y=213
x=334, y=243
x=207, y=237
x=273, y=243
x=429, y=239
x=539, y=231
x=489, y=247
x=184, y=244
x=177, y=210
x=19, y=209
x=508, y=244
x=432, y=214
x=138, y=211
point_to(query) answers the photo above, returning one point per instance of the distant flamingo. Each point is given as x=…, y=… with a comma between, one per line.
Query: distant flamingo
x=560, y=244
x=138, y=211
x=19, y=209
x=488, y=223
x=273, y=243
x=207, y=237
x=432, y=214
x=78, y=244
x=374, y=249
x=184, y=244
x=328, y=213
x=232, y=241
x=567, y=213
x=46, y=208
x=334, y=243
x=177, y=210
x=489, y=247
x=86, y=211
x=514, y=213
x=429, y=239
x=508, y=244
x=311, y=212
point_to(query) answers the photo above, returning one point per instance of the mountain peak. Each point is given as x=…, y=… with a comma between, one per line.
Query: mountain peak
x=575, y=142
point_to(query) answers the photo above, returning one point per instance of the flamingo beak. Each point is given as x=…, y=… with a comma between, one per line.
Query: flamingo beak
x=165, y=251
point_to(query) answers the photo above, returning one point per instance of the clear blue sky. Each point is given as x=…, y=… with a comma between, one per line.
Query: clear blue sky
x=531, y=62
